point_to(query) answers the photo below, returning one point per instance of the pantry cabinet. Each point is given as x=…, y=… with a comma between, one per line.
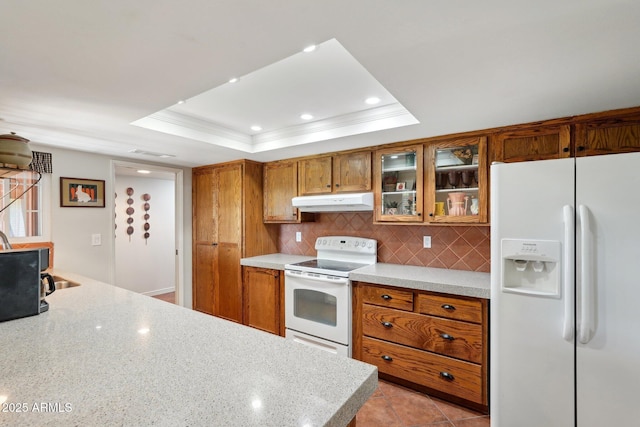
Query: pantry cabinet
x=227, y=225
x=456, y=181
x=264, y=299
x=340, y=173
x=436, y=342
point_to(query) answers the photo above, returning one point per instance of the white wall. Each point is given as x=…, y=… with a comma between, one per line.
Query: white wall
x=145, y=265
x=71, y=228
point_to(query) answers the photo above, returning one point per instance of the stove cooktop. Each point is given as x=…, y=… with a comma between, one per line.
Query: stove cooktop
x=328, y=266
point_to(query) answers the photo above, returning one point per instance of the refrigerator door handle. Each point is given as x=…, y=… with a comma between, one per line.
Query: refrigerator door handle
x=567, y=262
x=585, y=326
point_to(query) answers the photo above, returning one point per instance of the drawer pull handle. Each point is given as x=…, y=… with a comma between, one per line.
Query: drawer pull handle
x=447, y=337
x=385, y=297
x=387, y=358
x=447, y=376
x=448, y=307
x=387, y=324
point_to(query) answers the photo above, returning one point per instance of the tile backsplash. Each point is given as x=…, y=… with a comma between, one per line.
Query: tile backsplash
x=459, y=247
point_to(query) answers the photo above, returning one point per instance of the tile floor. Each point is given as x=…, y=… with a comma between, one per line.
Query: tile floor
x=168, y=297
x=395, y=406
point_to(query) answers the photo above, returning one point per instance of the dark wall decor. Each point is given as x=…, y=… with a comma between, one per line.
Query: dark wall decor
x=81, y=193
x=130, y=211
x=146, y=197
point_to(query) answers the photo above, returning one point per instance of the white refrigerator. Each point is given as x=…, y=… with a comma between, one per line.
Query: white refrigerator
x=565, y=292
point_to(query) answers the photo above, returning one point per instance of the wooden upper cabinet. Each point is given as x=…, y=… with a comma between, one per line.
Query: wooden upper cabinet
x=552, y=142
x=314, y=176
x=608, y=136
x=280, y=186
x=341, y=173
x=352, y=172
x=455, y=174
x=398, y=185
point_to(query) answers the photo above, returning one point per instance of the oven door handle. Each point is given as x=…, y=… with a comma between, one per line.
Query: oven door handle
x=341, y=280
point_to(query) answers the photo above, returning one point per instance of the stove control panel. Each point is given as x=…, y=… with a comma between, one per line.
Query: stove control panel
x=347, y=243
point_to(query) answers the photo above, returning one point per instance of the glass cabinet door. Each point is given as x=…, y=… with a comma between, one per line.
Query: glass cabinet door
x=398, y=183
x=456, y=181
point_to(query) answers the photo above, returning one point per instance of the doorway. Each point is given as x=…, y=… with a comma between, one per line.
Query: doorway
x=148, y=233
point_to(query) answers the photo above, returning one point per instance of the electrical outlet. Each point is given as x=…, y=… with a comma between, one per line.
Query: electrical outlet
x=426, y=242
x=298, y=236
x=96, y=239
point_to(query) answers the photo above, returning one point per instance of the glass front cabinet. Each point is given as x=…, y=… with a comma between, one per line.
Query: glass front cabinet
x=398, y=184
x=456, y=181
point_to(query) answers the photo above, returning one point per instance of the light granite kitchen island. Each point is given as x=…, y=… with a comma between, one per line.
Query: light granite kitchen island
x=102, y=355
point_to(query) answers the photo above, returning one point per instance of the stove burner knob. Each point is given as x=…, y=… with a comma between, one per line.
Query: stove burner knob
x=364, y=243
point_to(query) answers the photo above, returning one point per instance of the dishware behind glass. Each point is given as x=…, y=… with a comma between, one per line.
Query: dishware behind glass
x=466, y=177
x=453, y=178
x=441, y=180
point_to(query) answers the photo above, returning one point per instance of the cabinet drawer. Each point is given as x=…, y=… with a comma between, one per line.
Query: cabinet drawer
x=449, y=337
x=451, y=307
x=462, y=379
x=385, y=297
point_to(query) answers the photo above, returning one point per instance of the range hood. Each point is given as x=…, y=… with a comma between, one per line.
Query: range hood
x=334, y=202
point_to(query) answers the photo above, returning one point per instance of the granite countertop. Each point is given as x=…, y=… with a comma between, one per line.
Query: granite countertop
x=456, y=282
x=103, y=355
x=274, y=261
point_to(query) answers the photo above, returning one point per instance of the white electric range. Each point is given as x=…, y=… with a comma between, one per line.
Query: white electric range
x=318, y=292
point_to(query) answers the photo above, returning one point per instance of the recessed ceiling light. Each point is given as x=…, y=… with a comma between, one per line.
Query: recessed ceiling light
x=372, y=100
x=182, y=101
x=143, y=171
x=306, y=116
x=256, y=128
x=233, y=80
x=310, y=48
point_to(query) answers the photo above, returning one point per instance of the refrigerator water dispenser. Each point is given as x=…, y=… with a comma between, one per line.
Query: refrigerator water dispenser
x=531, y=267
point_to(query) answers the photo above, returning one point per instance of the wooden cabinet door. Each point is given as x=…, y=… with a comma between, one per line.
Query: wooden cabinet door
x=203, y=277
x=263, y=299
x=608, y=136
x=456, y=188
x=314, y=176
x=552, y=142
x=228, y=281
x=352, y=172
x=280, y=186
x=398, y=185
x=204, y=237
x=227, y=290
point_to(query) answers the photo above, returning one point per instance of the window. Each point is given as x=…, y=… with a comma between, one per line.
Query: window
x=23, y=214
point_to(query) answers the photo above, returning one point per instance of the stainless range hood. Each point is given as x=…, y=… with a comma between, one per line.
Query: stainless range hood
x=334, y=202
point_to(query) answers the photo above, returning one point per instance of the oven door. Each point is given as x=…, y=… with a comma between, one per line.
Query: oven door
x=318, y=305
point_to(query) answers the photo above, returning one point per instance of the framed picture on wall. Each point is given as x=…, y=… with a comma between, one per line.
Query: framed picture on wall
x=81, y=193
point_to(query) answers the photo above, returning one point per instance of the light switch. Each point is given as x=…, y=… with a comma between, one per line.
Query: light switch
x=426, y=242
x=96, y=239
x=298, y=236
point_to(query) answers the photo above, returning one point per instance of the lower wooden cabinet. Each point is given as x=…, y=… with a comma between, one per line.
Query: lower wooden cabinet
x=263, y=294
x=432, y=341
